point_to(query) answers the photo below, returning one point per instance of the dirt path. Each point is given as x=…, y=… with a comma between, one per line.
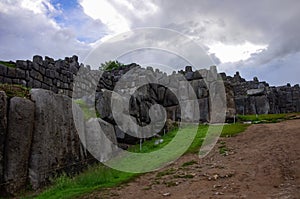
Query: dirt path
x=262, y=162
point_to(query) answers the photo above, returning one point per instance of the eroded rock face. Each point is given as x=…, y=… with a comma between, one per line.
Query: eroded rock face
x=55, y=145
x=18, y=143
x=103, y=144
x=3, y=127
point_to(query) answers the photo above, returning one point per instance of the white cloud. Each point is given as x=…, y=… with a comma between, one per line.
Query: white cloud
x=235, y=53
x=38, y=6
x=27, y=30
x=103, y=10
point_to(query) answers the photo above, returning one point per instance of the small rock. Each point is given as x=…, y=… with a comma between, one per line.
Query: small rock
x=166, y=194
x=157, y=142
x=219, y=193
x=216, y=176
x=217, y=186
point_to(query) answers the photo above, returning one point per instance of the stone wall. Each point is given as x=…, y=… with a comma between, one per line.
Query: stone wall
x=255, y=97
x=39, y=140
x=47, y=73
x=243, y=97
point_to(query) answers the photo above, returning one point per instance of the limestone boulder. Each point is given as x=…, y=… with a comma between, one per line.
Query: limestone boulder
x=56, y=146
x=101, y=140
x=18, y=143
x=3, y=128
x=262, y=105
x=103, y=104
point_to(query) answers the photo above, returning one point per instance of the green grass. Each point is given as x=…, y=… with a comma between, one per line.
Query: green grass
x=166, y=172
x=263, y=118
x=12, y=90
x=100, y=176
x=96, y=177
x=223, y=150
x=189, y=163
x=88, y=112
x=233, y=129
x=9, y=64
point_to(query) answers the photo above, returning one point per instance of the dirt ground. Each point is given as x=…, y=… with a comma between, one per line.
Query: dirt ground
x=262, y=162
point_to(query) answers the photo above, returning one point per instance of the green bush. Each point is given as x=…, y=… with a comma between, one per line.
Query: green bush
x=110, y=65
x=9, y=64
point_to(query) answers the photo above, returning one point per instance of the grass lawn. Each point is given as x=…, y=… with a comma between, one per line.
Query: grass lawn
x=263, y=118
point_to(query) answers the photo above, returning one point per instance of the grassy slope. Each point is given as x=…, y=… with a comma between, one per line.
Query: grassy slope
x=100, y=176
x=15, y=90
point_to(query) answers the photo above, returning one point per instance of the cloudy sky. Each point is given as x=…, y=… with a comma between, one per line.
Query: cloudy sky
x=258, y=38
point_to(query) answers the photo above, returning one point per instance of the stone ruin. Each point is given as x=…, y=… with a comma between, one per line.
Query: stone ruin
x=38, y=136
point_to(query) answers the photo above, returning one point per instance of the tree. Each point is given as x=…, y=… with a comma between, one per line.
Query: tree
x=110, y=65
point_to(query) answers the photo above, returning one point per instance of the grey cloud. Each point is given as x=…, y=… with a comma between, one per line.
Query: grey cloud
x=270, y=22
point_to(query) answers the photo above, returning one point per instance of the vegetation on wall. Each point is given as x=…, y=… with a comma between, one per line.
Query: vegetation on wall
x=12, y=90
x=110, y=65
x=9, y=64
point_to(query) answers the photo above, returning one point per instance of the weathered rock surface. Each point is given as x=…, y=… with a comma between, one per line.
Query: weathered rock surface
x=56, y=144
x=100, y=139
x=18, y=143
x=3, y=129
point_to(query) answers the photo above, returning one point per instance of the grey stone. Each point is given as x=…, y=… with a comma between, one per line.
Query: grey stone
x=188, y=69
x=37, y=59
x=161, y=94
x=204, y=109
x=11, y=72
x=259, y=91
x=103, y=104
x=3, y=70
x=170, y=98
x=22, y=64
x=20, y=73
x=100, y=139
x=55, y=144
x=36, y=75
x=37, y=84
x=189, y=76
x=197, y=75
x=262, y=105
x=3, y=131
x=18, y=143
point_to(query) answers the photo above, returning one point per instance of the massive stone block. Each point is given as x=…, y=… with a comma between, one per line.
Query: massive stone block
x=103, y=104
x=18, y=143
x=204, y=109
x=3, y=128
x=55, y=145
x=240, y=104
x=101, y=140
x=262, y=105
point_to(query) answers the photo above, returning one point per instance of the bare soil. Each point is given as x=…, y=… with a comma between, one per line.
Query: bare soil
x=262, y=162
